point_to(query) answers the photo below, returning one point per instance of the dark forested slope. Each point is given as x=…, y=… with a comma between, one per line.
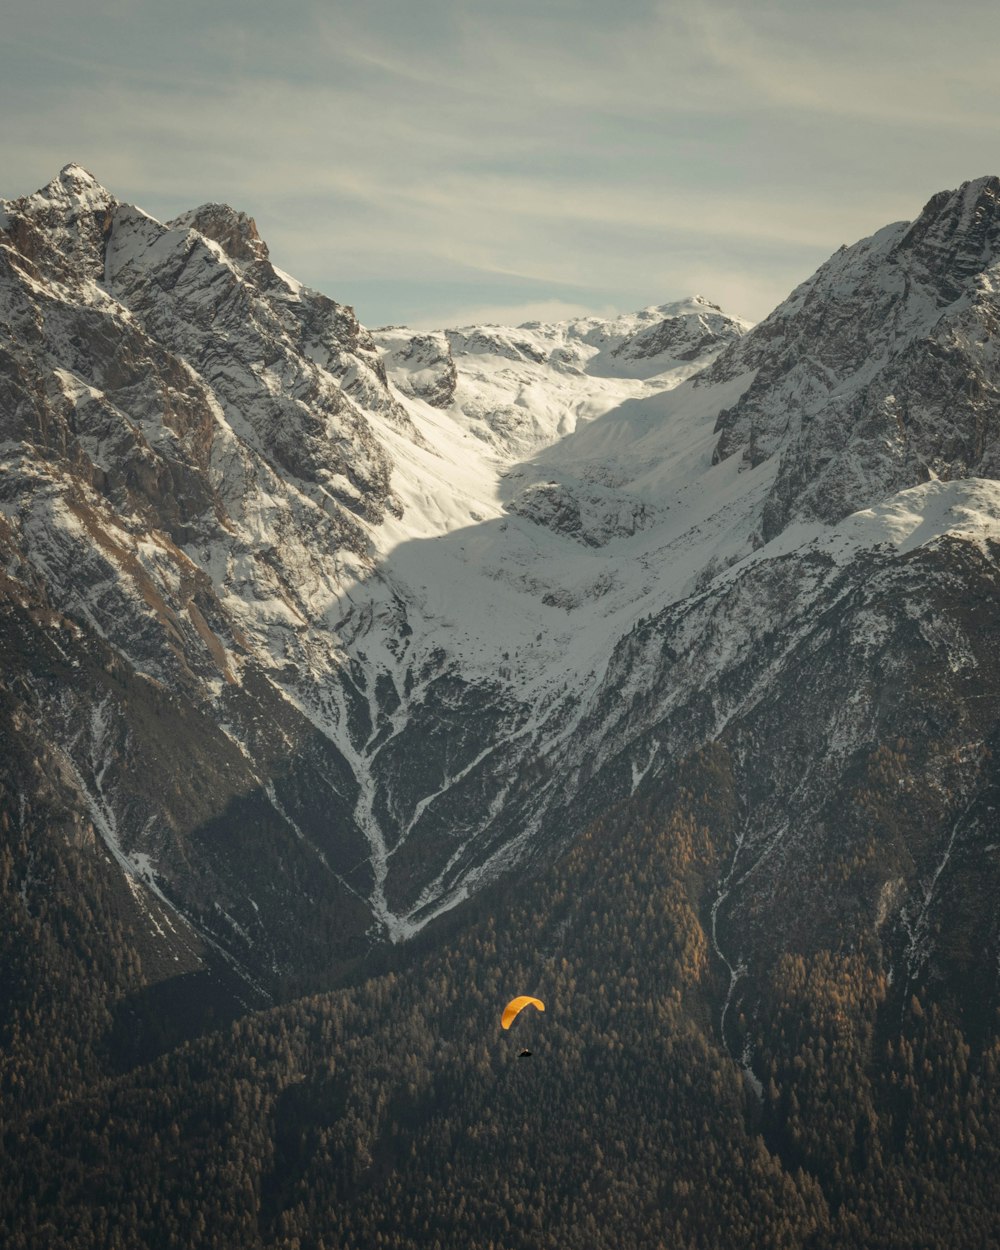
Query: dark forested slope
x=395, y=1112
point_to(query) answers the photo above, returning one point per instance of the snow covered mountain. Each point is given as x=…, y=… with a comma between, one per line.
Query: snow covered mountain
x=318, y=631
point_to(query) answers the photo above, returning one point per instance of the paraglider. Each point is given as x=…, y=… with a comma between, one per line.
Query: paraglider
x=517, y=1005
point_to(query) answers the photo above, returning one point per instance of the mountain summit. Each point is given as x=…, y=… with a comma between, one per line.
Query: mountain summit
x=876, y=374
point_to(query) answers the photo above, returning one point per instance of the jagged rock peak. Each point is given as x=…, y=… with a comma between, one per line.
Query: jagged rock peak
x=960, y=210
x=75, y=187
x=957, y=234
x=235, y=232
x=877, y=372
x=67, y=220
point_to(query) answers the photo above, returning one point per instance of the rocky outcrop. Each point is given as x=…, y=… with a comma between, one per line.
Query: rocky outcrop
x=235, y=233
x=581, y=511
x=421, y=365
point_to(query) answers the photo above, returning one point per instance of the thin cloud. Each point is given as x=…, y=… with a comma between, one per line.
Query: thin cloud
x=514, y=314
x=791, y=63
x=621, y=156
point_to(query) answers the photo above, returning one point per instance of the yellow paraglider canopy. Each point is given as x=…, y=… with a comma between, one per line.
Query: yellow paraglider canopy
x=516, y=1005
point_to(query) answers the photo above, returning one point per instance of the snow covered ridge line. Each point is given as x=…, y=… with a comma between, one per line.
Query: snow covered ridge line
x=404, y=571
x=518, y=389
x=237, y=476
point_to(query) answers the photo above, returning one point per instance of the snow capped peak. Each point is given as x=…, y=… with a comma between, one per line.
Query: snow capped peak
x=874, y=374
x=74, y=174
x=62, y=227
x=76, y=187
x=693, y=304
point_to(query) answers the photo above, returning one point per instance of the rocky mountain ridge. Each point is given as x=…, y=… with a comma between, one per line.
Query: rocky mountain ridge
x=199, y=457
x=874, y=374
x=319, y=632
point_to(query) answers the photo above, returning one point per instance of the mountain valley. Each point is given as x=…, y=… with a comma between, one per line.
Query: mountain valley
x=353, y=678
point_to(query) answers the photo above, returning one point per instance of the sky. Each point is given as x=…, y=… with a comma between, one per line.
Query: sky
x=444, y=162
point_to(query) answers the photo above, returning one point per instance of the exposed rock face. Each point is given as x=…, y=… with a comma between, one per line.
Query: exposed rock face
x=235, y=233
x=584, y=513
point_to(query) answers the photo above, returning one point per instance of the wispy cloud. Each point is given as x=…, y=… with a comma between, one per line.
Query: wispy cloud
x=621, y=154
x=514, y=314
x=895, y=64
